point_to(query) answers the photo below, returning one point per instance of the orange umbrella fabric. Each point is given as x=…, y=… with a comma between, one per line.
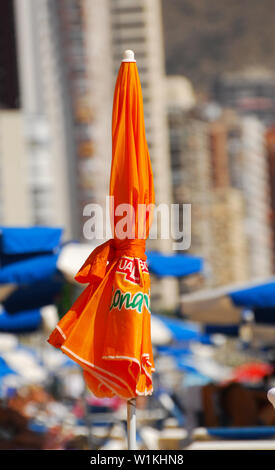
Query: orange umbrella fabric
x=108, y=330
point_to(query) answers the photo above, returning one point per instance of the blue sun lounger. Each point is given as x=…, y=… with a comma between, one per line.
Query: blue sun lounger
x=246, y=433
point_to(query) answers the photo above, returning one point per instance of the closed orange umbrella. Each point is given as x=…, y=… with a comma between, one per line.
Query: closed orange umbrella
x=107, y=329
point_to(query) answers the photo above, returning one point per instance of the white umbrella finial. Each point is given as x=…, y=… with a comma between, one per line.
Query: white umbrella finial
x=128, y=56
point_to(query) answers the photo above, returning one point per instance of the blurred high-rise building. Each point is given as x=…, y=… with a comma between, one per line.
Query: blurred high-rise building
x=218, y=152
x=217, y=211
x=250, y=91
x=250, y=174
x=191, y=175
x=9, y=86
x=50, y=154
x=229, y=256
x=233, y=178
x=229, y=259
x=201, y=177
x=65, y=92
x=15, y=204
x=14, y=200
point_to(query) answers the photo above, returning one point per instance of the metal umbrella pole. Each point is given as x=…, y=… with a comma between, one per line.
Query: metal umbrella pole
x=131, y=423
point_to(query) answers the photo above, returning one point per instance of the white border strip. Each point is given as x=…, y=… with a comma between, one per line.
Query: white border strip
x=61, y=331
x=104, y=380
x=96, y=367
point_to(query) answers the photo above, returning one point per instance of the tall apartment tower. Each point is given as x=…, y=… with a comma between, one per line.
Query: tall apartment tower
x=249, y=173
x=14, y=197
x=230, y=254
x=229, y=260
x=9, y=86
x=15, y=203
x=249, y=91
x=65, y=101
x=240, y=143
x=48, y=128
x=192, y=176
x=201, y=177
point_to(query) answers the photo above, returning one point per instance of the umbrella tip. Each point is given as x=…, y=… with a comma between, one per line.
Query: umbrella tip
x=128, y=56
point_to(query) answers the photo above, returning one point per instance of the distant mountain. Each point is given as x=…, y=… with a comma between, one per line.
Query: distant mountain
x=206, y=37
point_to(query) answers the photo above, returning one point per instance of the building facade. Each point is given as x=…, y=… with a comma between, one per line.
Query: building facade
x=66, y=103
x=201, y=177
x=250, y=174
x=250, y=92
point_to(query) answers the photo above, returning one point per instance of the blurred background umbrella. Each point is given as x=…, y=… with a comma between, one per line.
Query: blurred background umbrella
x=30, y=277
x=252, y=372
x=173, y=265
x=225, y=305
